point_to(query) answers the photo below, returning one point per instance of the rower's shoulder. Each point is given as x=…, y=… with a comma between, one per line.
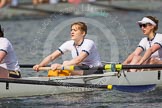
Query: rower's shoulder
x=69, y=42
x=144, y=39
x=158, y=37
x=4, y=40
x=89, y=40
x=158, y=34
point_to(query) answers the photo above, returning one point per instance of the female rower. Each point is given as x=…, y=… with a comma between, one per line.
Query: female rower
x=151, y=44
x=84, y=51
x=9, y=66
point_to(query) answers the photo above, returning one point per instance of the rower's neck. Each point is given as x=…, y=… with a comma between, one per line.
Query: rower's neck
x=79, y=42
x=151, y=35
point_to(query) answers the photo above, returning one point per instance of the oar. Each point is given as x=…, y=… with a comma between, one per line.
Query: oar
x=150, y=66
x=26, y=65
x=125, y=88
x=59, y=68
x=36, y=82
x=109, y=67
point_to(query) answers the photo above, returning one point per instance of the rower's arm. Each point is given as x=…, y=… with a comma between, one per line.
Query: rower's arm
x=149, y=52
x=50, y=58
x=77, y=60
x=137, y=52
x=2, y=55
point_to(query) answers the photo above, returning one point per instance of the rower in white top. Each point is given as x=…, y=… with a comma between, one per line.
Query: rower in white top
x=84, y=51
x=151, y=44
x=9, y=66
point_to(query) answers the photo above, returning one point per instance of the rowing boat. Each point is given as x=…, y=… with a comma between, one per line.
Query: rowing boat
x=123, y=81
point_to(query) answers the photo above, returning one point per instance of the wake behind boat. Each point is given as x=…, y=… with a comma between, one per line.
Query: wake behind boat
x=123, y=81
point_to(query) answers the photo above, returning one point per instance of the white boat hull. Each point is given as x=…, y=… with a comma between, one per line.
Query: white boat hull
x=146, y=80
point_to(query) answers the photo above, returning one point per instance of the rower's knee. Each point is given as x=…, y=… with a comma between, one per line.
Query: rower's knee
x=135, y=59
x=154, y=61
x=3, y=3
x=35, y=2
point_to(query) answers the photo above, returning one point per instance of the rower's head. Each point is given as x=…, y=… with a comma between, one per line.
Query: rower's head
x=1, y=32
x=79, y=26
x=149, y=22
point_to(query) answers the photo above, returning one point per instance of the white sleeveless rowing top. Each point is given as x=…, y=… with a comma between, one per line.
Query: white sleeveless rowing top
x=88, y=46
x=10, y=61
x=145, y=43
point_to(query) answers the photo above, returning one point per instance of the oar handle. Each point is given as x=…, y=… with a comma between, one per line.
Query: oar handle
x=44, y=68
x=49, y=68
x=72, y=68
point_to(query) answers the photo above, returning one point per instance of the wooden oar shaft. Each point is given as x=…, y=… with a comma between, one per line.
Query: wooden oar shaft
x=44, y=68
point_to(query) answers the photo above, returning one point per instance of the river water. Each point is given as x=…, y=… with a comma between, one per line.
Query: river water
x=116, y=34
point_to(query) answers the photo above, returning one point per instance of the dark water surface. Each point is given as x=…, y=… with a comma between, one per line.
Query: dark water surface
x=116, y=35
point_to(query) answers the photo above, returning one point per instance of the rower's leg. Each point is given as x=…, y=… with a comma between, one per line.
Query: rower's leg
x=155, y=61
x=134, y=61
x=4, y=3
x=79, y=72
x=35, y=2
x=4, y=73
x=152, y=61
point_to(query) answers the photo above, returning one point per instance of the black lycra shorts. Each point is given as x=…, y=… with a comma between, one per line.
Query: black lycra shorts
x=90, y=70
